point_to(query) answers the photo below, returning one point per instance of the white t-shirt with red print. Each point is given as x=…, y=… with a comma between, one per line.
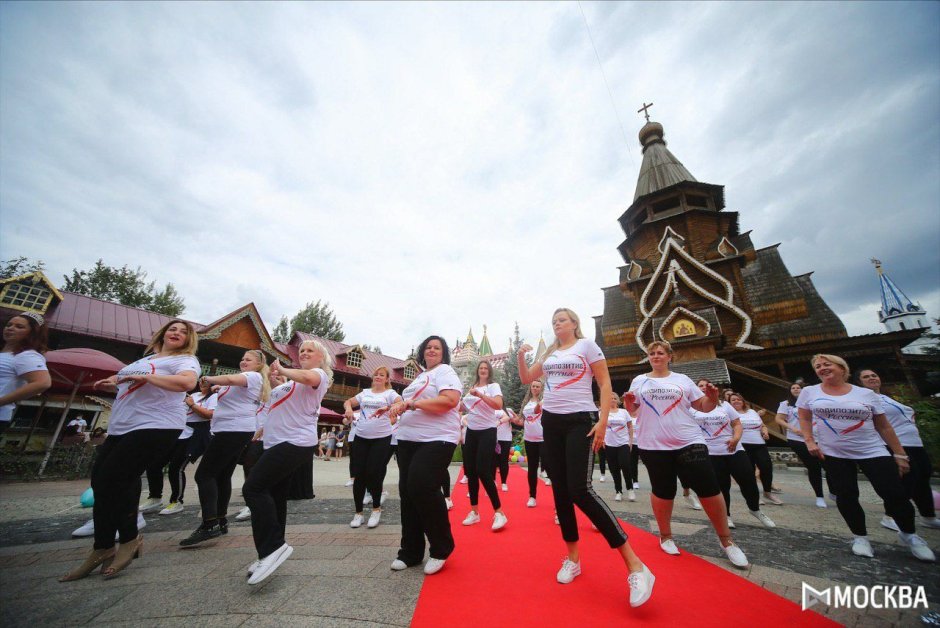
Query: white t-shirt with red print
x=292, y=413
x=504, y=429
x=140, y=406
x=367, y=424
x=421, y=426
x=480, y=415
x=751, y=422
x=532, y=423
x=664, y=420
x=209, y=403
x=238, y=406
x=901, y=418
x=845, y=423
x=568, y=378
x=13, y=366
x=618, y=428
x=716, y=428
x=794, y=430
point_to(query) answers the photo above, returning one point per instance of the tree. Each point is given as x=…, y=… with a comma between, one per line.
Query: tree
x=373, y=349
x=318, y=319
x=125, y=286
x=509, y=380
x=19, y=266
x=282, y=331
x=934, y=347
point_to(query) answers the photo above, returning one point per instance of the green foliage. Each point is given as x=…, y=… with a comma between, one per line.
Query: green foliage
x=509, y=380
x=317, y=319
x=934, y=347
x=19, y=266
x=282, y=331
x=71, y=462
x=373, y=349
x=125, y=286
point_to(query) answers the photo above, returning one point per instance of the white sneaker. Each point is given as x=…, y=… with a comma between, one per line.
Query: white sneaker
x=919, y=547
x=731, y=523
x=692, y=502
x=505, y=488
x=544, y=473
x=631, y=495
x=641, y=586
x=253, y=567
x=888, y=522
x=367, y=499
x=764, y=519
x=636, y=486
x=603, y=478
x=861, y=547
x=349, y=482
x=141, y=522
x=930, y=522
x=172, y=509
x=669, y=546
x=821, y=503
x=398, y=565
x=243, y=514
x=374, y=518
x=86, y=529
x=449, y=502
x=463, y=480
x=530, y=503
x=356, y=521
x=548, y=482
x=568, y=572
x=471, y=519
x=152, y=505
x=270, y=563
x=618, y=497
x=382, y=499
x=433, y=566
x=736, y=556
x=499, y=521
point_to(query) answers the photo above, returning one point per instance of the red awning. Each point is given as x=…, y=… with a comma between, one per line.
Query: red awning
x=84, y=367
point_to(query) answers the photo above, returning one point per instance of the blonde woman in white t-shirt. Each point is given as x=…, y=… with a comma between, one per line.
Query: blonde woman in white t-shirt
x=234, y=424
x=569, y=366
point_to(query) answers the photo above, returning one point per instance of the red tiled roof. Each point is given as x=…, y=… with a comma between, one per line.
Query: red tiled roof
x=371, y=362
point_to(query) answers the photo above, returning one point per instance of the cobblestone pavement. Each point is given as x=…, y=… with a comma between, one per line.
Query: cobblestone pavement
x=205, y=586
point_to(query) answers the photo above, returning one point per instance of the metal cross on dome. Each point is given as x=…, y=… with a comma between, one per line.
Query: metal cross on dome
x=645, y=110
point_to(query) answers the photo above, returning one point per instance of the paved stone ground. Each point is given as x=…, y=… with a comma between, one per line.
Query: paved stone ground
x=205, y=585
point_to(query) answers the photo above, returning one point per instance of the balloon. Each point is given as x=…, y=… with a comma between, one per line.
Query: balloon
x=517, y=448
x=88, y=498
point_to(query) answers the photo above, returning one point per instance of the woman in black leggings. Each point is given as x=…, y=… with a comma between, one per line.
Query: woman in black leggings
x=530, y=418
x=788, y=419
x=504, y=438
x=755, y=444
x=617, y=443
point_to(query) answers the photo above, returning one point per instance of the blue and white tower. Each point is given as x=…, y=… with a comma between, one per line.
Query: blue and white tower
x=897, y=311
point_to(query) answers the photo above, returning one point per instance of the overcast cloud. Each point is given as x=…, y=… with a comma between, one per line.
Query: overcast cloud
x=426, y=167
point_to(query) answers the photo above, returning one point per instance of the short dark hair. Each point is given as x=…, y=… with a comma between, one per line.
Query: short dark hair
x=38, y=338
x=445, y=357
x=857, y=377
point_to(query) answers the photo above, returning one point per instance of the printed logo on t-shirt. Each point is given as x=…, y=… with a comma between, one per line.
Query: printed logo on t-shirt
x=856, y=414
x=136, y=385
x=661, y=398
x=421, y=386
x=891, y=402
x=569, y=372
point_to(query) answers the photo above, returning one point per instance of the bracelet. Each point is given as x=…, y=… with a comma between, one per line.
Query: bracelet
x=900, y=457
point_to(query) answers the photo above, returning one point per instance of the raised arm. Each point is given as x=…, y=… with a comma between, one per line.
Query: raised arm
x=528, y=374
x=304, y=377
x=235, y=379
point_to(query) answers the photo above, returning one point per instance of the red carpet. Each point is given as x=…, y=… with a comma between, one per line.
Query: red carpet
x=507, y=578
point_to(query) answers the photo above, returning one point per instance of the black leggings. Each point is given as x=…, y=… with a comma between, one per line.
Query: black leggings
x=199, y=441
x=369, y=471
x=602, y=460
x=502, y=460
x=690, y=464
x=533, y=455
x=266, y=491
x=176, y=455
x=214, y=475
x=423, y=511
x=917, y=481
x=115, y=480
x=812, y=464
x=619, y=460
x=479, y=450
x=445, y=482
x=882, y=472
x=634, y=465
x=351, y=454
x=176, y=472
x=568, y=447
x=737, y=466
x=760, y=458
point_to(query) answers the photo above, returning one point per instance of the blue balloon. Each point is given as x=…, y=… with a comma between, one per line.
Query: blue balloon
x=88, y=498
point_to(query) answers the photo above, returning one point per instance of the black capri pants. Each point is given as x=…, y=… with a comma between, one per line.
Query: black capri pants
x=690, y=464
x=760, y=458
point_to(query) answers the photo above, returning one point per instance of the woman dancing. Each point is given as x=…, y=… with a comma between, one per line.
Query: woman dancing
x=530, y=417
x=617, y=442
x=789, y=419
x=754, y=440
x=23, y=371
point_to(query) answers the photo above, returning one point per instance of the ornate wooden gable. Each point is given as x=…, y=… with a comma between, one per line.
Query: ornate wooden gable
x=243, y=328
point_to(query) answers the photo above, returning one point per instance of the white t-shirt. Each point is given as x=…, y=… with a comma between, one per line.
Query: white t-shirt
x=238, y=406
x=846, y=428
x=751, y=422
x=209, y=403
x=480, y=415
x=793, y=421
x=503, y=430
x=395, y=434
x=367, y=424
x=902, y=420
x=532, y=426
x=618, y=428
x=420, y=426
x=664, y=420
x=12, y=369
x=292, y=412
x=717, y=430
x=568, y=378
x=139, y=406
x=79, y=424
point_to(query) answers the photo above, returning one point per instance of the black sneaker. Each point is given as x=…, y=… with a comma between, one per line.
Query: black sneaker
x=223, y=525
x=201, y=534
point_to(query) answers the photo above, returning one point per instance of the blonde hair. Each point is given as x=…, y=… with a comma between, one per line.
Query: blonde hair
x=528, y=393
x=835, y=360
x=662, y=344
x=577, y=330
x=326, y=358
x=192, y=341
x=388, y=375
x=265, y=372
x=744, y=402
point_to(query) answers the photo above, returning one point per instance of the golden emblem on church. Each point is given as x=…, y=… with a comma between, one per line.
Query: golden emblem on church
x=683, y=327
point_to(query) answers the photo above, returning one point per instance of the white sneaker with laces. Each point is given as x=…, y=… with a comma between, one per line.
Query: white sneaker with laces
x=631, y=495
x=152, y=505
x=356, y=521
x=463, y=480
x=861, y=547
x=736, y=556
x=172, y=509
x=349, y=482
x=270, y=563
x=530, y=503
x=568, y=572
x=618, y=497
x=930, y=522
x=505, y=488
x=374, y=518
x=603, y=478
x=499, y=521
x=888, y=522
x=641, y=586
x=919, y=547
x=821, y=502
x=692, y=502
x=449, y=502
x=731, y=523
x=86, y=529
x=433, y=566
x=636, y=485
x=669, y=546
x=398, y=565
x=471, y=519
x=764, y=519
x=244, y=513
x=253, y=567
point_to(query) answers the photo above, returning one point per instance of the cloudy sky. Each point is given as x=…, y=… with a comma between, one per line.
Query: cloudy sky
x=427, y=167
